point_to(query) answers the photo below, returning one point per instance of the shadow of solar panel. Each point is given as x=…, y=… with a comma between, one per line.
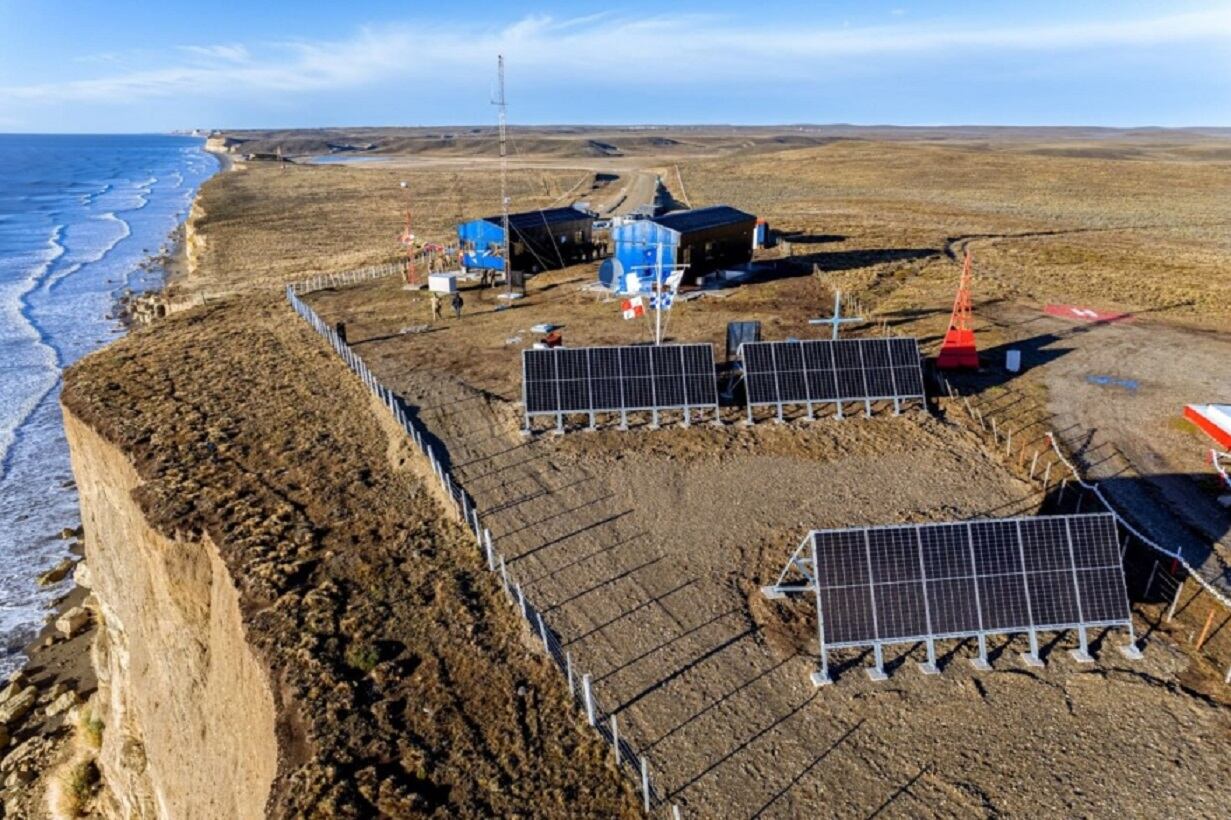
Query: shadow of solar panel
x=900, y=611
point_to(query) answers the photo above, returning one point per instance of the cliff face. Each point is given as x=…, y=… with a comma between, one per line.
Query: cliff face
x=187, y=709
x=291, y=626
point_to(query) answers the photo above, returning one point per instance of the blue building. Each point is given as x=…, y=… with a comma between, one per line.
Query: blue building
x=703, y=240
x=542, y=240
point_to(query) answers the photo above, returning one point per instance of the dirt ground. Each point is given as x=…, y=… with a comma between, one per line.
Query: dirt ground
x=404, y=684
x=646, y=550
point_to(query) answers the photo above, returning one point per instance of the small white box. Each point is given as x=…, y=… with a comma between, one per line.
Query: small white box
x=442, y=282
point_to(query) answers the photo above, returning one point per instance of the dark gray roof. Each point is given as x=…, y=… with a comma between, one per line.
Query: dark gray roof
x=529, y=220
x=699, y=219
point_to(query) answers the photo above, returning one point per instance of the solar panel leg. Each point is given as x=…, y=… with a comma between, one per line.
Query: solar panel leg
x=897, y=407
x=980, y=662
x=1130, y=650
x=930, y=668
x=717, y=421
x=867, y=407
x=654, y=419
x=1032, y=658
x=838, y=405
x=1082, y=653
x=811, y=415
x=687, y=418
x=559, y=424
x=779, y=419
x=750, y=420
x=592, y=426
x=623, y=419
x=877, y=672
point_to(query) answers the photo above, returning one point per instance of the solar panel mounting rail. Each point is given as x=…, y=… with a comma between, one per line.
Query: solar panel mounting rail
x=815, y=372
x=563, y=381
x=919, y=583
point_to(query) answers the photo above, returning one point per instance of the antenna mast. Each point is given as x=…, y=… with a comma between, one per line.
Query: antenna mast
x=504, y=167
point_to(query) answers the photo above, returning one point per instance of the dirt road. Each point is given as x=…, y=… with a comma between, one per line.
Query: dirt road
x=1120, y=389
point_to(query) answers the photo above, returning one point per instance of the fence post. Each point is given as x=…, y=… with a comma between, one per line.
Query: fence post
x=615, y=740
x=1034, y=462
x=521, y=599
x=543, y=633
x=589, y=695
x=1175, y=601
x=487, y=542
x=1047, y=476
x=474, y=520
x=504, y=575
x=645, y=783
x=568, y=668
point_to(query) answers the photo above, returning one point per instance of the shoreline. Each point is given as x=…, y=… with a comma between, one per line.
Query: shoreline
x=44, y=696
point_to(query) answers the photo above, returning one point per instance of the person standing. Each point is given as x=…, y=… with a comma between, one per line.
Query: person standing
x=436, y=308
x=457, y=304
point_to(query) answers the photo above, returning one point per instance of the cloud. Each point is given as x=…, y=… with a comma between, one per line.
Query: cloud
x=670, y=49
x=231, y=52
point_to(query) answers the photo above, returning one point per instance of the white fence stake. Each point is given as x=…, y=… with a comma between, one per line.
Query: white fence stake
x=1034, y=462
x=645, y=783
x=543, y=633
x=589, y=695
x=1175, y=601
x=487, y=542
x=568, y=668
x=615, y=739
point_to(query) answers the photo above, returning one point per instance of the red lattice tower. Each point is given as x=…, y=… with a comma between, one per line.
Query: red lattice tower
x=959, y=352
x=408, y=239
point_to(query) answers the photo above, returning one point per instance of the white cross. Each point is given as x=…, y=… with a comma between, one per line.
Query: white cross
x=837, y=319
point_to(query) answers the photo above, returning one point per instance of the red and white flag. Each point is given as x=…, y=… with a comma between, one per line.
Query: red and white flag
x=633, y=307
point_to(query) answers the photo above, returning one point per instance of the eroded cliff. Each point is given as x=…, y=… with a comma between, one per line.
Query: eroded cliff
x=291, y=623
x=184, y=703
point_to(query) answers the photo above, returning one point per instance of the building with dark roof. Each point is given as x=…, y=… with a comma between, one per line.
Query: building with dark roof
x=542, y=240
x=702, y=240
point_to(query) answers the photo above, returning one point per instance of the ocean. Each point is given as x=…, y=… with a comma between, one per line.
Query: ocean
x=78, y=216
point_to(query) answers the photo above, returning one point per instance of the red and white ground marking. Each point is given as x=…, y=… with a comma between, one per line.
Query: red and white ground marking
x=1078, y=313
x=1214, y=419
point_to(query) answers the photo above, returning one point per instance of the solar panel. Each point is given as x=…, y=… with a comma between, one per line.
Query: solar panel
x=832, y=371
x=563, y=381
x=918, y=583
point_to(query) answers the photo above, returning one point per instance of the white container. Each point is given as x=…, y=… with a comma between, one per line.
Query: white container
x=442, y=282
x=1013, y=360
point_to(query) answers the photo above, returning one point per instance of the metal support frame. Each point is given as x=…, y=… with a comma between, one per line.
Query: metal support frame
x=1030, y=658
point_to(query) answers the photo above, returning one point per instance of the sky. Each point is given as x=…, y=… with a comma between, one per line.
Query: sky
x=123, y=66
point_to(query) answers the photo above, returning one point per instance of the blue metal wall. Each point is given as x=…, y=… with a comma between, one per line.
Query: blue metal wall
x=482, y=234
x=636, y=245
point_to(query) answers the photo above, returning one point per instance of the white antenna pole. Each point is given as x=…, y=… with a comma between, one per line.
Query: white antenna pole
x=658, y=303
x=504, y=167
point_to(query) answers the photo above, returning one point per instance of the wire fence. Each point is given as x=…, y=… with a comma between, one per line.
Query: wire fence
x=581, y=689
x=350, y=277
x=1026, y=431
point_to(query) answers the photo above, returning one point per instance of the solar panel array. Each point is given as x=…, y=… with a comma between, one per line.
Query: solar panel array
x=559, y=381
x=902, y=584
x=819, y=371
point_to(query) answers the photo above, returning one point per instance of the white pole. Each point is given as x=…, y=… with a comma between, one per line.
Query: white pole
x=658, y=289
x=585, y=688
x=615, y=739
x=645, y=784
